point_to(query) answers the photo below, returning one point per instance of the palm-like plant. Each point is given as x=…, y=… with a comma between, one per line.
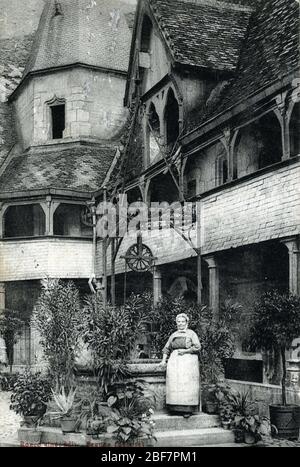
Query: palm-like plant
x=65, y=402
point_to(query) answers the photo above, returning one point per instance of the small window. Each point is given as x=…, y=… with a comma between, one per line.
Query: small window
x=58, y=121
x=146, y=35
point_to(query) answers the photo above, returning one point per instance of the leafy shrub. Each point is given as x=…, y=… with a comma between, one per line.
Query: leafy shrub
x=275, y=324
x=110, y=335
x=7, y=381
x=57, y=316
x=30, y=395
x=131, y=413
x=11, y=327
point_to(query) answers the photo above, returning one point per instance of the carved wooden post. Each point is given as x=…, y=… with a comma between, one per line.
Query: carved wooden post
x=228, y=141
x=282, y=115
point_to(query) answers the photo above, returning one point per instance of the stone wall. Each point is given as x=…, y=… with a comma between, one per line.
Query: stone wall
x=94, y=105
x=265, y=394
x=263, y=208
x=38, y=258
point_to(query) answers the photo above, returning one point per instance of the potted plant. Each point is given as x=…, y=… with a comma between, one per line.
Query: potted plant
x=226, y=414
x=30, y=395
x=94, y=414
x=276, y=323
x=254, y=427
x=58, y=318
x=214, y=396
x=65, y=403
x=236, y=406
x=131, y=422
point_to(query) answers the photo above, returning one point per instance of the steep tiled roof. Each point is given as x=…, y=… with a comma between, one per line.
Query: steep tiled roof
x=208, y=34
x=93, y=32
x=270, y=52
x=81, y=168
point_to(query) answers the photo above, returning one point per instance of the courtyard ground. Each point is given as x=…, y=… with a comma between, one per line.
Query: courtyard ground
x=10, y=422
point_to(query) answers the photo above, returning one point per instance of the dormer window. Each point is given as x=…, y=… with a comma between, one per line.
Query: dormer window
x=57, y=109
x=58, y=121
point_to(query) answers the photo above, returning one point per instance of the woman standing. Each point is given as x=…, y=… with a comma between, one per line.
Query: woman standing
x=183, y=378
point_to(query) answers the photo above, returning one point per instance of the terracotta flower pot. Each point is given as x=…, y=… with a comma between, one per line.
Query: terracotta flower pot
x=68, y=424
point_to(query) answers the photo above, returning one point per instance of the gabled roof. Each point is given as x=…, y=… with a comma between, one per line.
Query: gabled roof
x=270, y=53
x=91, y=32
x=209, y=34
x=81, y=168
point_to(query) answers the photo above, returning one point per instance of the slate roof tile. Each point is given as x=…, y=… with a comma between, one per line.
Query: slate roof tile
x=96, y=33
x=208, y=35
x=270, y=52
x=81, y=168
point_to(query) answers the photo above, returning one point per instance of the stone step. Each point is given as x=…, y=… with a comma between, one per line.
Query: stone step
x=194, y=438
x=171, y=438
x=166, y=422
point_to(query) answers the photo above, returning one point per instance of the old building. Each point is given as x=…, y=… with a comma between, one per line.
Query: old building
x=208, y=113
x=216, y=85
x=63, y=77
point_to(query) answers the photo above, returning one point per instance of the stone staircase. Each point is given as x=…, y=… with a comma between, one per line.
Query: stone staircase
x=170, y=431
x=199, y=430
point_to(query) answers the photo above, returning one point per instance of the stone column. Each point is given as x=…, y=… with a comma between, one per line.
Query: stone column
x=3, y=357
x=294, y=266
x=214, y=293
x=157, y=291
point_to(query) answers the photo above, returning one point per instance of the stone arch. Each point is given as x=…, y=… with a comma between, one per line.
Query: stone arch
x=153, y=134
x=295, y=130
x=171, y=118
x=258, y=145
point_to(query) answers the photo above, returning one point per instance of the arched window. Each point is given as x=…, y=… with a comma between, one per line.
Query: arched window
x=57, y=109
x=24, y=221
x=154, y=133
x=172, y=119
x=258, y=145
x=295, y=130
x=271, y=151
x=146, y=35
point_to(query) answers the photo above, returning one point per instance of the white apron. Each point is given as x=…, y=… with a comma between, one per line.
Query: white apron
x=183, y=380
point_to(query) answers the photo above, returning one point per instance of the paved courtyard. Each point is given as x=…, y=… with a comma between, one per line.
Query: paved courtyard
x=9, y=421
